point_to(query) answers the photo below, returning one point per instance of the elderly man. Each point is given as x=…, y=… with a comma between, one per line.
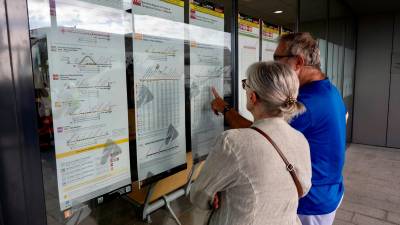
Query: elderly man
x=323, y=124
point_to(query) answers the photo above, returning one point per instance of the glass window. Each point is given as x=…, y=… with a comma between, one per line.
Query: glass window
x=313, y=19
x=269, y=40
x=123, y=91
x=336, y=36
x=349, y=70
x=248, y=53
x=209, y=64
x=260, y=25
x=336, y=42
x=81, y=94
x=158, y=47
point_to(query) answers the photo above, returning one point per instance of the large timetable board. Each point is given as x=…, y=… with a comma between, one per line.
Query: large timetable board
x=249, y=53
x=206, y=71
x=89, y=110
x=270, y=38
x=158, y=56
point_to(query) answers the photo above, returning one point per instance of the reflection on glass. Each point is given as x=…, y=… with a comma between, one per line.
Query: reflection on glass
x=88, y=15
x=107, y=78
x=39, y=14
x=150, y=25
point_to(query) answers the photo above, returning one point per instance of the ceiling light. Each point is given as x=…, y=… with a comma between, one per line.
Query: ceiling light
x=278, y=12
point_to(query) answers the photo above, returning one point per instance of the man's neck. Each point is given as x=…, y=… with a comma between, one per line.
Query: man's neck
x=309, y=75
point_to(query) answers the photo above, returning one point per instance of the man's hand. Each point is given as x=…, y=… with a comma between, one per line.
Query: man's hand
x=233, y=118
x=218, y=104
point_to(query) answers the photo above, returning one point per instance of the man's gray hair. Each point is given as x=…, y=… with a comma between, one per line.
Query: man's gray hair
x=277, y=87
x=305, y=45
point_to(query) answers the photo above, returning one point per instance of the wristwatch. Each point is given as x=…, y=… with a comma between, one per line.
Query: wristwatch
x=226, y=109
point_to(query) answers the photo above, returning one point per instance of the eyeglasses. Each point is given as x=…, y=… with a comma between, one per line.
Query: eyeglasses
x=244, y=84
x=279, y=57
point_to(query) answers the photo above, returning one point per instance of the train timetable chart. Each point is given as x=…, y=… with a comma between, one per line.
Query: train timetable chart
x=89, y=108
x=248, y=48
x=205, y=125
x=159, y=86
x=206, y=71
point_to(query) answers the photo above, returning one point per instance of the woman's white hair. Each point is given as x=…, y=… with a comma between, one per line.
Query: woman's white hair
x=277, y=87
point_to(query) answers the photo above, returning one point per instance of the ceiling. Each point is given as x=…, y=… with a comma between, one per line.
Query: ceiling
x=312, y=9
x=363, y=7
x=264, y=10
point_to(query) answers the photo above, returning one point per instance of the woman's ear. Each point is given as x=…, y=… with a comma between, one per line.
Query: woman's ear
x=253, y=97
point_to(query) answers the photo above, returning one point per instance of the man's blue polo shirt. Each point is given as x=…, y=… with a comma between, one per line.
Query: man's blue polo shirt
x=324, y=126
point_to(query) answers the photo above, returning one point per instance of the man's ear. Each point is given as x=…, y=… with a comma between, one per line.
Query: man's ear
x=299, y=62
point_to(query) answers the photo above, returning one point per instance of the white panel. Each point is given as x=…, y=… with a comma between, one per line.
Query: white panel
x=322, y=48
x=158, y=53
x=329, y=69
x=248, y=52
x=206, y=35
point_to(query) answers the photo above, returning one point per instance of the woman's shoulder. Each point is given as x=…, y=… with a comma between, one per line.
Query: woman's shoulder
x=286, y=136
x=295, y=136
x=235, y=138
x=237, y=134
x=247, y=137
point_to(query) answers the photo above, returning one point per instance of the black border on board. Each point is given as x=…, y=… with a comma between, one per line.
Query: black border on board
x=188, y=117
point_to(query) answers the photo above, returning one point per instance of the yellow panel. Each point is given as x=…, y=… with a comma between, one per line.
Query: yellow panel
x=175, y=2
x=206, y=11
x=248, y=23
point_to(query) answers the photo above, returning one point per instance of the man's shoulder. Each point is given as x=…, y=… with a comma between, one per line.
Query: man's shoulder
x=318, y=94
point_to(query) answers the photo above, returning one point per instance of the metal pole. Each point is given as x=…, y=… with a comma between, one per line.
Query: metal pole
x=234, y=53
x=150, y=208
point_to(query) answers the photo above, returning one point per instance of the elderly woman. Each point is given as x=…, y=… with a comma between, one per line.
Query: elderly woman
x=258, y=174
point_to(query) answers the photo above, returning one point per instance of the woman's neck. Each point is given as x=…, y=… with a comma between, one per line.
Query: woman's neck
x=259, y=115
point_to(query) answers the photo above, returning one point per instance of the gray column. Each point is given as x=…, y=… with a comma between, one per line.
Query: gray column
x=372, y=79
